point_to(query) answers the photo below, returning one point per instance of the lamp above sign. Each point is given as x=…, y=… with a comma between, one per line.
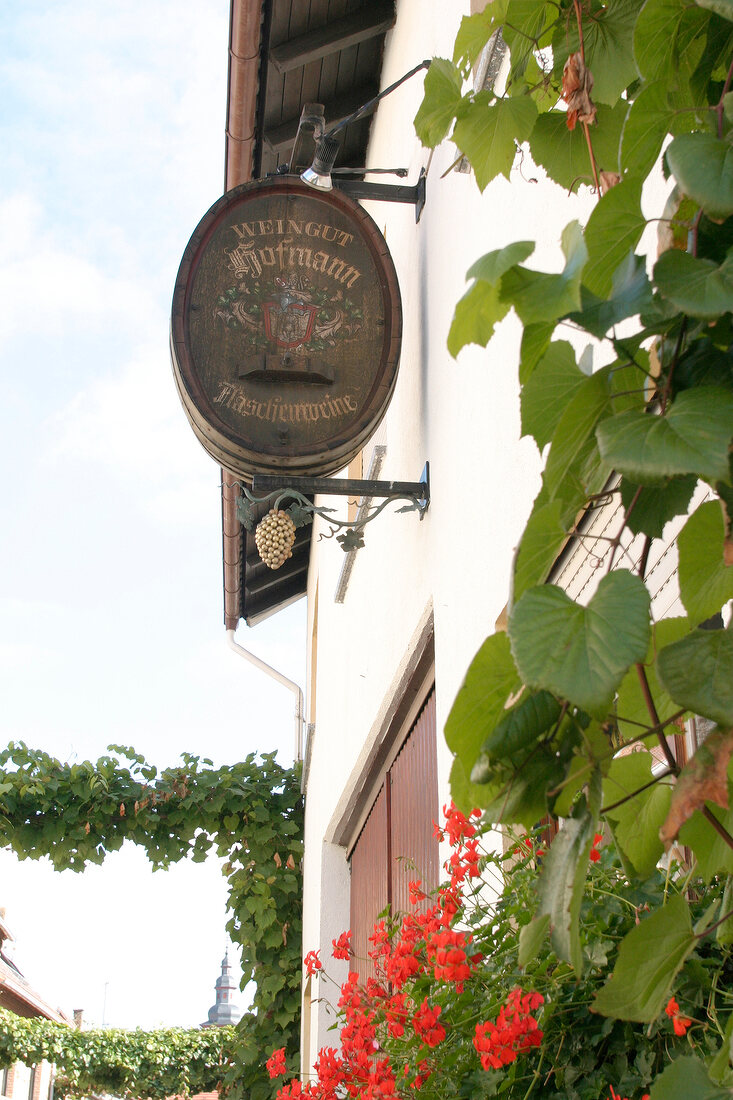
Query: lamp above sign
x=285, y=329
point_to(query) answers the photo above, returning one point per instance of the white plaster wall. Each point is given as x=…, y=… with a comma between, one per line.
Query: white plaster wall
x=462, y=416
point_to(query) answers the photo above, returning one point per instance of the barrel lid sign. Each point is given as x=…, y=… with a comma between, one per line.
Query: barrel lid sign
x=286, y=328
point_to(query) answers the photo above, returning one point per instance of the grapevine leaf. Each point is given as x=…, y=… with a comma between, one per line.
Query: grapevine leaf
x=630, y=294
x=703, y=779
x=535, y=342
x=441, y=103
x=706, y=582
x=581, y=653
x=713, y=854
x=607, y=38
x=636, y=823
x=488, y=132
x=700, y=288
x=539, y=296
x=473, y=34
x=541, y=542
x=655, y=507
x=480, y=309
x=613, y=230
x=703, y=166
x=522, y=726
x=697, y=672
x=548, y=390
x=649, y=957
x=584, y=409
x=692, y=438
x=657, y=38
x=563, y=153
x=687, y=1077
x=490, y=680
x=520, y=796
x=531, y=938
x=477, y=314
x=647, y=124
x=561, y=885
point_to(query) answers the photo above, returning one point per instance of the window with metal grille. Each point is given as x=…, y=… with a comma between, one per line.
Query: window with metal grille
x=397, y=843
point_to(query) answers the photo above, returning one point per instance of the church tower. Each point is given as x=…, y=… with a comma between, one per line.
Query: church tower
x=224, y=1011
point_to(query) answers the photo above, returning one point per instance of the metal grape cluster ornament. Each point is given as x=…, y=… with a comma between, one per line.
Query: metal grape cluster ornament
x=285, y=329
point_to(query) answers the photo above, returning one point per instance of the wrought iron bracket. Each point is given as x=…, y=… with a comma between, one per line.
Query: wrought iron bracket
x=386, y=192
x=274, y=489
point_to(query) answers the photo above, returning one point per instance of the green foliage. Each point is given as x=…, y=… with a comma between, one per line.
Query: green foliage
x=249, y=813
x=538, y=723
x=581, y=1054
x=169, y=1062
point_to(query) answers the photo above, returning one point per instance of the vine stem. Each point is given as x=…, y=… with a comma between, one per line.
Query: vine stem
x=586, y=131
x=720, y=829
x=646, y=692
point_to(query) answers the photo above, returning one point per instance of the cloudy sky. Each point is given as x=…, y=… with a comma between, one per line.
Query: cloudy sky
x=112, y=137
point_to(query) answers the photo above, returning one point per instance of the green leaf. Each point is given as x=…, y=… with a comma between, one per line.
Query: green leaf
x=539, y=296
x=541, y=542
x=630, y=294
x=697, y=672
x=613, y=230
x=692, y=438
x=464, y=793
x=493, y=265
x=531, y=938
x=477, y=314
x=589, y=403
x=561, y=885
x=520, y=797
x=490, y=680
x=581, y=653
x=657, y=37
x=535, y=342
x=720, y=1065
x=649, y=958
x=563, y=153
x=480, y=309
x=703, y=166
x=548, y=391
x=638, y=821
x=523, y=27
x=441, y=103
x=473, y=34
x=700, y=288
x=607, y=38
x=488, y=133
x=706, y=582
x=655, y=507
x=521, y=727
x=711, y=851
x=686, y=1078
x=647, y=124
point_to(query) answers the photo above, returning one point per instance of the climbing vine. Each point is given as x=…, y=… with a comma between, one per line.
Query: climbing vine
x=630, y=99
x=250, y=814
x=166, y=1062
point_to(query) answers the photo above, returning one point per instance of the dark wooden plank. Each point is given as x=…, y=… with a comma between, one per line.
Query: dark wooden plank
x=366, y=23
x=281, y=138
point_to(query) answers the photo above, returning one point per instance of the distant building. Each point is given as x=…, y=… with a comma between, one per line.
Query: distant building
x=19, y=1082
x=224, y=1011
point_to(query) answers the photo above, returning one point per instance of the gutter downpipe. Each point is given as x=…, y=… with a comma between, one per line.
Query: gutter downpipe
x=281, y=679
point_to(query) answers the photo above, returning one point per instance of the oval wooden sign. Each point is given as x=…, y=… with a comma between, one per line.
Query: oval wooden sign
x=285, y=329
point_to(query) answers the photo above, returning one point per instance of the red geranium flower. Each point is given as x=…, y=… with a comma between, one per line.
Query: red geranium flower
x=342, y=946
x=312, y=963
x=276, y=1063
